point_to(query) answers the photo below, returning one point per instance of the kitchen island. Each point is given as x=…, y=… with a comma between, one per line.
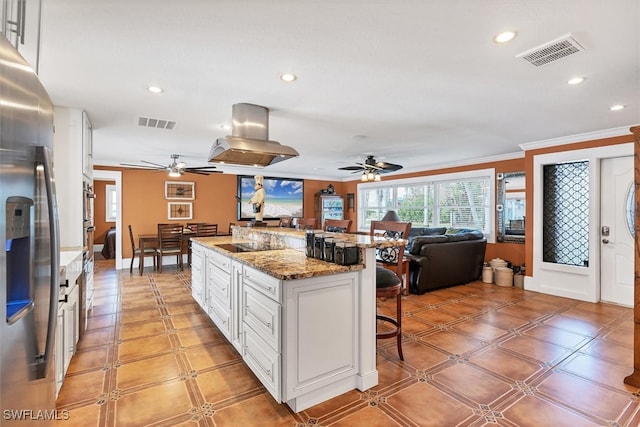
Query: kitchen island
x=305, y=327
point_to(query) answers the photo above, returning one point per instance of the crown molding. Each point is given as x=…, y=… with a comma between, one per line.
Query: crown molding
x=580, y=137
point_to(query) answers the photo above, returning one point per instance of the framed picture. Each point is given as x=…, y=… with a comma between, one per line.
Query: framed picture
x=180, y=210
x=179, y=190
x=284, y=197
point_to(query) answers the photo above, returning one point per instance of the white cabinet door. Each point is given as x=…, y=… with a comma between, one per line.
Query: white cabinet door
x=236, y=297
x=87, y=147
x=21, y=26
x=263, y=361
x=262, y=314
x=268, y=285
x=197, y=276
x=59, y=355
x=67, y=335
x=70, y=327
x=321, y=335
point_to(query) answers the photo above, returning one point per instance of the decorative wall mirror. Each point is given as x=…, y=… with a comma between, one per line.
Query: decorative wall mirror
x=511, y=207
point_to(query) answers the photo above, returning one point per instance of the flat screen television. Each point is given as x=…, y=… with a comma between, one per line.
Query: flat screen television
x=283, y=197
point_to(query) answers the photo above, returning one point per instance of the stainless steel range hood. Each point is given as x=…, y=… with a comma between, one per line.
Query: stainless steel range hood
x=249, y=144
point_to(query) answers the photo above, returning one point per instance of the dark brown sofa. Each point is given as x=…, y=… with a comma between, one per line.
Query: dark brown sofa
x=440, y=257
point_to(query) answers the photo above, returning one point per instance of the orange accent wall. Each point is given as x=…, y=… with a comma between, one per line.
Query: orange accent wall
x=144, y=204
x=99, y=210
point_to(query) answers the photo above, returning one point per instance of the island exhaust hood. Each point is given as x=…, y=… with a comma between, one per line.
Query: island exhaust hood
x=249, y=144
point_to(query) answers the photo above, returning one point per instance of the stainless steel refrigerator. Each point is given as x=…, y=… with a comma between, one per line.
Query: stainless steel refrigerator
x=29, y=265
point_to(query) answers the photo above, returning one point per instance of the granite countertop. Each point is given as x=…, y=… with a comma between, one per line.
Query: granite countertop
x=361, y=240
x=71, y=261
x=284, y=264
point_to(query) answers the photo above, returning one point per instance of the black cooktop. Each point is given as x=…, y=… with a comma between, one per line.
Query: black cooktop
x=244, y=247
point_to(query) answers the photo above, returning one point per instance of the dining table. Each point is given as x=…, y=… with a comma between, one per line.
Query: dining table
x=151, y=241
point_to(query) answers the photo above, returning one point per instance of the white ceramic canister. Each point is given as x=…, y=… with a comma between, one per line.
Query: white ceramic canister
x=487, y=274
x=504, y=276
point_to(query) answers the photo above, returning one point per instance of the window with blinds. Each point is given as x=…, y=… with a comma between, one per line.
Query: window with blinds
x=462, y=200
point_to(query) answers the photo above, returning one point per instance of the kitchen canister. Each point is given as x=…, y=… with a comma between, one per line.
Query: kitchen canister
x=318, y=249
x=487, y=274
x=497, y=262
x=329, y=246
x=310, y=238
x=345, y=253
x=518, y=281
x=504, y=276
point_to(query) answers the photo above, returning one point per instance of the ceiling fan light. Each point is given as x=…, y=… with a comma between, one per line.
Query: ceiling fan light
x=377, y=177
x=174, y=173
x=370, y=176
x=363, y=178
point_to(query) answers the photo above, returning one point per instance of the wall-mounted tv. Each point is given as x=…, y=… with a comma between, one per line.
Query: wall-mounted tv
x=283, y=197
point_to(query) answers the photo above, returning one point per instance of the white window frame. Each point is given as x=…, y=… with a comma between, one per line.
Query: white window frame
x=110, y=203
x=489, y=173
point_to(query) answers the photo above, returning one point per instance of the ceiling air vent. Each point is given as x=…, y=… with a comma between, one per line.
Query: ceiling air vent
x=552, y=51
x=156, y=123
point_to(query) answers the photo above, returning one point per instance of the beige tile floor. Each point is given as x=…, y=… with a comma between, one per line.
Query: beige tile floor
x=475, y=355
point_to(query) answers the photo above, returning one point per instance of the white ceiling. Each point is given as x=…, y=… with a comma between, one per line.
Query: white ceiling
x=415, y=82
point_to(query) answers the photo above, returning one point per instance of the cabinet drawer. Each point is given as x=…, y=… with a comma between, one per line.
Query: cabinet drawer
x=219, y=285
x=263, y=361
x=263, y=315
x=268, y=285
x=221, y=261
x=220, y=317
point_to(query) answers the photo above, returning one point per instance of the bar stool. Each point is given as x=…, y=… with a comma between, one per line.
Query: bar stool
x=389, y=279
x=389, y=285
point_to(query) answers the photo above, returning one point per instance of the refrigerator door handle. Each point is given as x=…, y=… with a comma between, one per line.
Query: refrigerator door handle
x=43, y=158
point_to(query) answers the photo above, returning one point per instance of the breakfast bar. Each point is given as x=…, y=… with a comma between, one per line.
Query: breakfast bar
x=305, y=327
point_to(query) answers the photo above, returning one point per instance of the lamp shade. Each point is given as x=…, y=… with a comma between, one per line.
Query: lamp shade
x=391, y=216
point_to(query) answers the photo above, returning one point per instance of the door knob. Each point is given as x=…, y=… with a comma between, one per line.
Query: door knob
x=605, y=241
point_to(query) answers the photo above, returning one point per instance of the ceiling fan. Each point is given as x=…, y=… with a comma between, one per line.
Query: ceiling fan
x=175, y=168
x=371, y=169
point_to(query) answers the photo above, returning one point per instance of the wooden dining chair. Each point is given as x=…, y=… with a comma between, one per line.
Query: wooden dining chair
x=207, y=230
x=136, y=252
x=169, y=243
x=307, y=223
x=337, y=225
x=285, y=221
x=389, y=280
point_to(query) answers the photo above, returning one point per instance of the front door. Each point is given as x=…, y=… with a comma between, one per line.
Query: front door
x=616, y=231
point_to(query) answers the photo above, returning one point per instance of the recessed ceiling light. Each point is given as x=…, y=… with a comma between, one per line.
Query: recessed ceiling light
x=505, y=37
x=617, y=107
x=288, y=77
x=155, y=89
x=575, y=80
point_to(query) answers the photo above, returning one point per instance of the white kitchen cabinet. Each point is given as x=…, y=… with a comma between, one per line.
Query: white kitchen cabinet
x=67, y=334
x=264, y=361
x=236, y=315
x=87, y=147
x=320, y=338
x=197, y=274
x=59, y=350
x=89, y=287
x=68, y=321
x=69, y=166
x=219, y=292
x=299, y=337
x=71, y=326
x=260, y=312
x=21, y=26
